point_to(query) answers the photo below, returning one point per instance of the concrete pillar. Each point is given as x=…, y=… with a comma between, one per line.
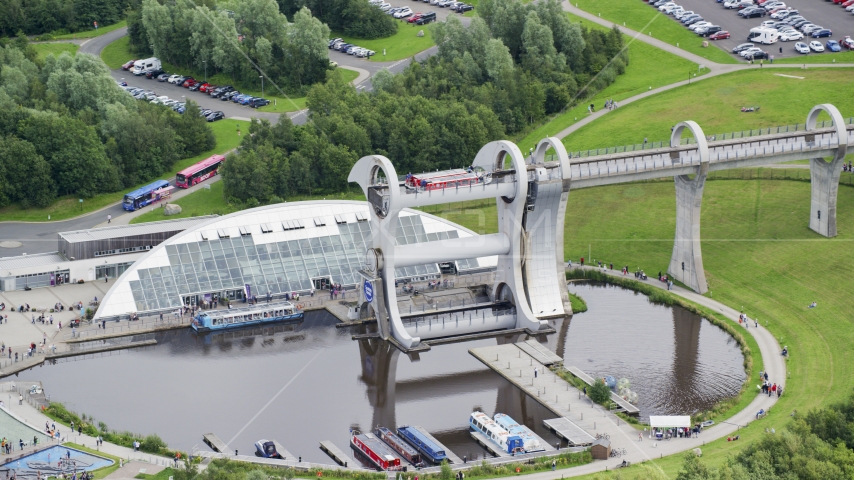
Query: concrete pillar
x=824, y=175
x=686, y=262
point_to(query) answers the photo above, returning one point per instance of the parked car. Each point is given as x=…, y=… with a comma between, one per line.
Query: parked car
x=245, y=100
x=465, y=8
x=258, y=102
x=238, y=98
x=426, y=18
x=719, y=35
x=847, y=42
x=405, y=12
x=748, y=52
x=153, y=73
x=196, y=86
x=128, y=65
x=680, y=16
x=742, y=47
x=816, y=46
x=790, y=35
x=188, y=82
x=204, y=88
x=414, y=17
x=694, y=20
x=227, y=95
x=699, y=25
x=833, y=46
x=173, y=78
x=752, y=13
x=710, y=30
x=802, y=47
x=824, y=32
x=205, y=112
x=215, y=116
x=221, y=91
x=163, y=77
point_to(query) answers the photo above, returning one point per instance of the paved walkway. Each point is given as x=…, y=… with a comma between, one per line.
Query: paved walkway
x=625, y=436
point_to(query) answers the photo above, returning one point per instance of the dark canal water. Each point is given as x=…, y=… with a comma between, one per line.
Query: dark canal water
x=300, y=384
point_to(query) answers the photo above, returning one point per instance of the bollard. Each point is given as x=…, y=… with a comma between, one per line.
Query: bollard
x=582, y=415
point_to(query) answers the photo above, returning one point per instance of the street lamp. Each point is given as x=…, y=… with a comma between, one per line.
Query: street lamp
x=262, y=85
x=206, y=70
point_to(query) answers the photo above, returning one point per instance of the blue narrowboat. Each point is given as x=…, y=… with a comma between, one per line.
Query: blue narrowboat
x=422, y=443
x=214, y=320
x=529, y=440
x=481, y=422
x=398, y=445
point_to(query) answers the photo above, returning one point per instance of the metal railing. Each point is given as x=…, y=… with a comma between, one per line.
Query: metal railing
x=467, y=318
x=798, y=127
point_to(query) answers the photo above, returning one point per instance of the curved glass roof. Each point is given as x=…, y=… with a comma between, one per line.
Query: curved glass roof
x=276, y=249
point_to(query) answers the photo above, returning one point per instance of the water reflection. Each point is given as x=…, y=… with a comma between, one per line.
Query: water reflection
x=307, y=382
x=677, y=362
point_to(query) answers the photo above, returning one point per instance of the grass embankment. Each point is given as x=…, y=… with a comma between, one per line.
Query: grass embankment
x=758, y=254
x=403, y=44
x=118, y=53
x=578, y=303
x=791, y=56
x=649, y=67
x=92, y=33
x=67, y=207
x=646, y=19
x=715, y=104
x=45, y=49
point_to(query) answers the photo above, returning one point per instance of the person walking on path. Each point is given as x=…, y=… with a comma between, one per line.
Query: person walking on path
x=109, y=218
x=640, y=437
x=535, y=372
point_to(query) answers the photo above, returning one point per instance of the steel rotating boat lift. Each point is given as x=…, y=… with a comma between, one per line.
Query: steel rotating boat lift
x=531, y=203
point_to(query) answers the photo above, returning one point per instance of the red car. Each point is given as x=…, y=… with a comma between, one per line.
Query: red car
x=719, y=35
x=204, y=88
x=188, y=82
x=847, y=42
x=414, y=17
x=848, y=3
x=128, y=65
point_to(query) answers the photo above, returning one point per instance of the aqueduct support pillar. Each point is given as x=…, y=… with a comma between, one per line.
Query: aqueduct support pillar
x=824, y=175
x=686, y=262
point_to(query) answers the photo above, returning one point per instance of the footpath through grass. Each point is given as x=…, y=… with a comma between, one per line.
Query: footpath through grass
x=644, y=18
x=45, y=49
x=92, y=33
x=67, y=207
x=715, y=104
x=403, y=44
x=648, y=67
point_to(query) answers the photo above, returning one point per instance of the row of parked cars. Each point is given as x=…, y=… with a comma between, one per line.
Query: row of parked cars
x=787, y=21
x=224, y=93
x=350, y=48
x=694, y=21
x=848, y=5
x=459, y=7
x=180, y=107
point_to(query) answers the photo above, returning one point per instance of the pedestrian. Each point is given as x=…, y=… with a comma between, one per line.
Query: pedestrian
x=644, y=140
x=585, y=391
x=761, y=62
x=640, y=437
x=20, y=397
x=756, y=323
x=554, y=466
x=161, y=316
x=771, y=59
x=781, y=50
x=109, y=218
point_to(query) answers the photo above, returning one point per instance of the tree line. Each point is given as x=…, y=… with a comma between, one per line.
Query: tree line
x=66, y=128
x=817, y=445
x=487, y=81
x=243, y=39
x=355, y=18
x=34, y=17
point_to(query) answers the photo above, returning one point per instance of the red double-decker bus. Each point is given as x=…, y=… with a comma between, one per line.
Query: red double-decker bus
x=199, y=172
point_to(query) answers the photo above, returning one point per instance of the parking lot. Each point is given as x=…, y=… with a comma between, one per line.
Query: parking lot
x=820, y=12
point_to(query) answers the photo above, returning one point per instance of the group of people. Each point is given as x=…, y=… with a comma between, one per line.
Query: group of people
x=676, y=432
x=745, y=320
x=610, y=104
x=334, y=290
x=434, y=284
x=848, y=168
x=769, y=388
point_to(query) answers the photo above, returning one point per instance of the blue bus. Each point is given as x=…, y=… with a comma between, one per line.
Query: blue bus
x=143, y=196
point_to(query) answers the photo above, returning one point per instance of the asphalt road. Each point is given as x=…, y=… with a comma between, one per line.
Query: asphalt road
x=820, y=12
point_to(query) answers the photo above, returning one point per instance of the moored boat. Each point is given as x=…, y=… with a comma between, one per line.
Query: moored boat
x=428, y=448
x=267, y=449
x=213, y=320
x=530, y=441
x=381, y=456
x=509, y=443
x=398, y=445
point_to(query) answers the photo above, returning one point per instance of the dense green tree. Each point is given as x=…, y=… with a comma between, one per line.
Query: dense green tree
x=35, y=17
x=27, y=176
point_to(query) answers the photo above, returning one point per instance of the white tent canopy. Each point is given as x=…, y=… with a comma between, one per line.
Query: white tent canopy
x=669, y=421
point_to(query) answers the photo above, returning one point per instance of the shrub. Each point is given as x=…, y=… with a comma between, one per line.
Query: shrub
x=599, y=392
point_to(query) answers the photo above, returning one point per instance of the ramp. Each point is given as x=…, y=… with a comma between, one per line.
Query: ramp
x=215, y=443
x=286, y=455
x=540, y=353
x=569, y=431
x=336, y=454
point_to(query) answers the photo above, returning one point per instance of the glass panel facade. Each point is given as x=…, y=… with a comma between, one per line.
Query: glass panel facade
x=230, y=263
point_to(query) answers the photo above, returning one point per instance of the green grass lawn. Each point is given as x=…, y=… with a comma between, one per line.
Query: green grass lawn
x=791, y=56
x=403, y=44
x=45, y=49
x=716, y=104
x=758, y=253
x=93, y=33
x=117, y=53
x=69, y=207
x=164, y=474
x=642, y=17
x=648, y=67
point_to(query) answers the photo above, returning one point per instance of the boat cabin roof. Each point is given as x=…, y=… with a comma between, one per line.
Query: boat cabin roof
x=247, y=310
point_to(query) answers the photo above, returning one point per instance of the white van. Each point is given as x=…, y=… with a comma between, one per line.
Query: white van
x=763, y=35
x=142, y=66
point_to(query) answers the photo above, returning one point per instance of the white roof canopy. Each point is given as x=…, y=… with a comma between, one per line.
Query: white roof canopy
x=665, y=421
